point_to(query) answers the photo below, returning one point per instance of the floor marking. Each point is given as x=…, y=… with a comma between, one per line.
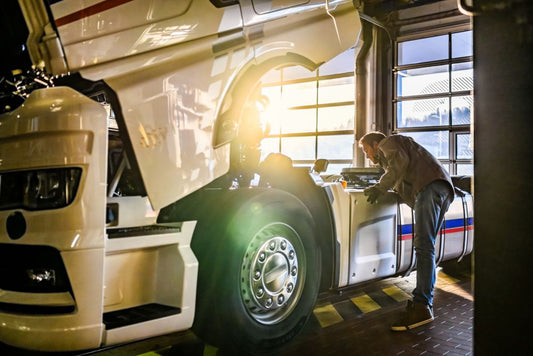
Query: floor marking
x=443, y=278
x=365, y=303
x=396, y=293
x=449, y=285
x=327, y=315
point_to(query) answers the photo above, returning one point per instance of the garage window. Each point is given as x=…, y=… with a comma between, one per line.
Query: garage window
x=311, y=114
x=433, y=96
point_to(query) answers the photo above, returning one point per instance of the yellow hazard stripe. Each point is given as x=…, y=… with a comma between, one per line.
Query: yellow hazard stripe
x=449, y=285
x=327, y=315
x=444, y=279
x=396, y=293
x=365, y=303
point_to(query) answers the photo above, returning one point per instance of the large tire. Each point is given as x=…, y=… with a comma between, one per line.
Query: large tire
x=259, y=272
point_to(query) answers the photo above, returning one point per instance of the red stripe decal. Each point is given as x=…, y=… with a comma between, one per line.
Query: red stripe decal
x=405, y=237
x=91, y=10
x=447, y=231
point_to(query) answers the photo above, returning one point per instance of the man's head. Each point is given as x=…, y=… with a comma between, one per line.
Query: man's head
x=369, y=143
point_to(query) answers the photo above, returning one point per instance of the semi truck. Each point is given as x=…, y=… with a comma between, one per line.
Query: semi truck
x=132, y=200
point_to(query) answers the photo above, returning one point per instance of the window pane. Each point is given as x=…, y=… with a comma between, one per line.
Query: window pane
x=298, y=148
x=269, y=145
x=344, y=62
x=336, y=90
x=464, y=146
x=299, y=120
x=462, y=44
x=465, y=169
x=336, y=118
x=299, y=94
x=426, y=112
x=462, y=76
x=423, y=50
x=274, y=113
x=435, y=142
x=461, y=110
x=273, y=93
x=429, y=80
x=335, y=147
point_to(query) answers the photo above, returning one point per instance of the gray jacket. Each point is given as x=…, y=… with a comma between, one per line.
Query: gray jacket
x=408, y=167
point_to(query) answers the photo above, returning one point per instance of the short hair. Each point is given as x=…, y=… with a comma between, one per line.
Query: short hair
x=371, y=137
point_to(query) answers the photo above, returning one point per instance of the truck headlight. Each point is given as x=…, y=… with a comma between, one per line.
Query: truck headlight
x=39, y=189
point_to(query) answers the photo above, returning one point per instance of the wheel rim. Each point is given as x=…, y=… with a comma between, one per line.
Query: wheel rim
x=273, y=273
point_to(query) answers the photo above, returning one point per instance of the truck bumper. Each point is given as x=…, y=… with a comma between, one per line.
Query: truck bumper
x=58, y=321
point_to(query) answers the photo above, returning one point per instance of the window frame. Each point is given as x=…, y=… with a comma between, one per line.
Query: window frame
x=317, y=78
x=453, y=130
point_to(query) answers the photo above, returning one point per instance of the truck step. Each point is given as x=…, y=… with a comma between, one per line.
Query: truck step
x=141, y=313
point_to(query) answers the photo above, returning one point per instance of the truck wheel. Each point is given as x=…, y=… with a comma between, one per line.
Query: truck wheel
x=259, y=281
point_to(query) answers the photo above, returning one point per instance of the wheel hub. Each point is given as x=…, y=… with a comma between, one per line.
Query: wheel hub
x=270, y=275
x=275, y=272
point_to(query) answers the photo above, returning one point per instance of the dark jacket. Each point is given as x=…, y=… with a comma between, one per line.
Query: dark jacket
x=408, y=167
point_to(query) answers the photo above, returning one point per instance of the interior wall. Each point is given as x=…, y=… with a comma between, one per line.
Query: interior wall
x=503, y=86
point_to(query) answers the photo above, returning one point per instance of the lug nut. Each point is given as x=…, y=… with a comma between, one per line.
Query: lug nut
x=268, y=302
x=294, y=271
x=260, y=292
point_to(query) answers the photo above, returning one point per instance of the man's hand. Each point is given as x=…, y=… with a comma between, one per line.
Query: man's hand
x=372, y=193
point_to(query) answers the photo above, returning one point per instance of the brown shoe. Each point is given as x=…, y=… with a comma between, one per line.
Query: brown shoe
x=415, y=315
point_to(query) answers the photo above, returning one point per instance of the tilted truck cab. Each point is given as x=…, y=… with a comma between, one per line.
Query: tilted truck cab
x=124, y=209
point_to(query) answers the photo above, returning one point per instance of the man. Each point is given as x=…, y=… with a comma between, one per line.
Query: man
x=423, y=184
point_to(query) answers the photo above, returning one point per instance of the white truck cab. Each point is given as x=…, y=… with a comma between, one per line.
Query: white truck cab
x=122, y=204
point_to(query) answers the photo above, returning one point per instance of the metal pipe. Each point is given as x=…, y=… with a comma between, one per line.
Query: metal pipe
x=361, y=83
x=361, y=93
x=375, y=22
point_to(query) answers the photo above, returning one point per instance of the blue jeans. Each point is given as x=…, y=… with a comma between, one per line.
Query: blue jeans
x=431, y=204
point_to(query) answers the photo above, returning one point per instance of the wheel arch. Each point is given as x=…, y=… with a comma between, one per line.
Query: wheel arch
x=240, y=87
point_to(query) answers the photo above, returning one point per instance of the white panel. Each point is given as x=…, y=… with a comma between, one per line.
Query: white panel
x=341, y=214
x=373, y=237
x=164, y=274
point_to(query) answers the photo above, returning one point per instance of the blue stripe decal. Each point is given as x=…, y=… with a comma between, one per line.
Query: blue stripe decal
x=454, y=223
x=407, y=229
